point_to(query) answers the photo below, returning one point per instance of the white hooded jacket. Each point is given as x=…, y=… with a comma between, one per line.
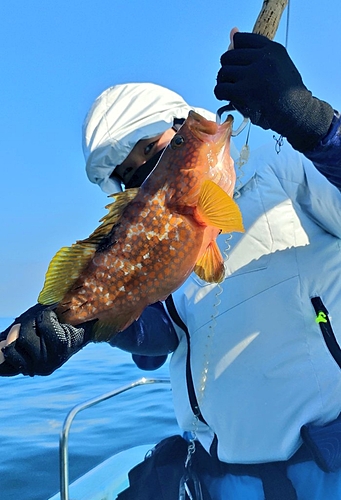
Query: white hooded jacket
x=120, y=117
x=260, y=364
x=259, y=361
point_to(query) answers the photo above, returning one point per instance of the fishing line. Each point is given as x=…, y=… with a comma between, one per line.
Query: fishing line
x=287, y=25
x=204, y=372
x=227, y=246
x=242, y=160
x=203, y=377
x=280, y=140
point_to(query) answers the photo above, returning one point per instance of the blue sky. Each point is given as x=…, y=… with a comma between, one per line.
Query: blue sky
x=57, y=56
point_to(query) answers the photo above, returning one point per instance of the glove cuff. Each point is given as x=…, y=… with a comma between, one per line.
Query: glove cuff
x=308, y=120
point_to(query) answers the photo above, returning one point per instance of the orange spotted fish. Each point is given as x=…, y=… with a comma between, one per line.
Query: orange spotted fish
x=153, y=237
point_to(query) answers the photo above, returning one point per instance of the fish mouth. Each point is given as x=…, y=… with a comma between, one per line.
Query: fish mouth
x=217, y=138
x=209, y=131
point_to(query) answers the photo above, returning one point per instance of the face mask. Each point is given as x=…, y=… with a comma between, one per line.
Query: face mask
x=144, y=170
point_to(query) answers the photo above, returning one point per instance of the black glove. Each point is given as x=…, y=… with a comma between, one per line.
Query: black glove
x=43, y=344
x=262, y=83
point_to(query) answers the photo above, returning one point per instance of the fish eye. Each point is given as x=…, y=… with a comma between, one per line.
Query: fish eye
x=177, y=141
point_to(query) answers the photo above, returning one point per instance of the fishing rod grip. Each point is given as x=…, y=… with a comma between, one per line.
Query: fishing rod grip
x=269, y=18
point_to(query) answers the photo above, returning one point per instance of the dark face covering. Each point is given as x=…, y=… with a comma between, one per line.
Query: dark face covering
x=144, y=170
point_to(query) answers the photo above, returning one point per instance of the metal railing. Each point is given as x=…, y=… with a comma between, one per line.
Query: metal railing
x=64, y=435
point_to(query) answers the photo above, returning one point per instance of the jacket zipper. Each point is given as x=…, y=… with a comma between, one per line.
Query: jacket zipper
x=189, y=379
x=322, y=318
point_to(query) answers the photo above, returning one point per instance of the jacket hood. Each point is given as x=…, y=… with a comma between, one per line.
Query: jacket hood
x=120, y=117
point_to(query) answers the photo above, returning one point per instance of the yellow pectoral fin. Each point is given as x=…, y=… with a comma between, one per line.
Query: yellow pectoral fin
x=210, y=267
x=216, y=208
x=63, y=271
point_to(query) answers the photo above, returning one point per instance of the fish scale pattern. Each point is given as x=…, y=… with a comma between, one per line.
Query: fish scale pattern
x=152, y=238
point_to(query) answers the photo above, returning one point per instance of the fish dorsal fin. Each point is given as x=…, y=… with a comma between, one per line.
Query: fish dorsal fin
x=115, y=210
x=63, y=271
x=210, y=266
x=216, y=208
x=68, y=263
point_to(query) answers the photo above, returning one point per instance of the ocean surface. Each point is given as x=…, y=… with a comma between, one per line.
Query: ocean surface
x=33, y=411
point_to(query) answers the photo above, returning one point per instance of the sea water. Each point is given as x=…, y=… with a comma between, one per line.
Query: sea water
x=33, y=411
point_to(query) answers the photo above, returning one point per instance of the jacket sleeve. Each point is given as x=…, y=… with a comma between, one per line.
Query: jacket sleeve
x=326, y=156
x=150, y=338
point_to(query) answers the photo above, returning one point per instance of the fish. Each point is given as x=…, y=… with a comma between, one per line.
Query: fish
x=152, y=237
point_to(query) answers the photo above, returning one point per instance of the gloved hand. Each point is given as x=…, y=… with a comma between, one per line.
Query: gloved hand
x=43, y=344
x=262, y=83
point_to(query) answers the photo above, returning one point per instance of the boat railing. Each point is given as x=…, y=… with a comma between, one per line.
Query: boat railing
x=64, y=435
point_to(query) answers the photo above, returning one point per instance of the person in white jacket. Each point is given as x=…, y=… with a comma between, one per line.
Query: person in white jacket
x=256, y=363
